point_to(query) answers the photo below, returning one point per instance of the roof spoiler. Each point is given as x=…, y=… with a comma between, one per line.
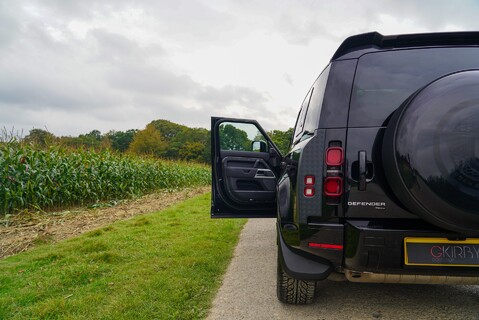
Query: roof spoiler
x=377, y=40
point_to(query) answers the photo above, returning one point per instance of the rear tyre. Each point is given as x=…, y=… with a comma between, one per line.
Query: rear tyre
x=294, y=291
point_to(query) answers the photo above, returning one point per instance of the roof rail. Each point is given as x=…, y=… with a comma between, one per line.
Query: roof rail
x=377, y=40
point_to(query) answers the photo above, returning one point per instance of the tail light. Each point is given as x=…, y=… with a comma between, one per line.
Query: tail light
x=309, y=180
x=308, y=191
x=326, y=246
x=309, y=188
x=333, y=186
x=334, y=156
x=333, y=183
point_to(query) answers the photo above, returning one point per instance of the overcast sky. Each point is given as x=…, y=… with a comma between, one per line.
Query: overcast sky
x=75, y=66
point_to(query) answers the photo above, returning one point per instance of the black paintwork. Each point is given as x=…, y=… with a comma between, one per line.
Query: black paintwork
x=377, y=246
x=376, y=190
x=301, y=266
x=357, y=45
x=371, y=218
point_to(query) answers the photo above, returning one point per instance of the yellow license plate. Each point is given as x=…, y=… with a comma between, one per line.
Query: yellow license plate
x=441, y=252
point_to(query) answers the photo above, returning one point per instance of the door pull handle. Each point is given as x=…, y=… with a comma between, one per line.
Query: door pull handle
x=362, y=171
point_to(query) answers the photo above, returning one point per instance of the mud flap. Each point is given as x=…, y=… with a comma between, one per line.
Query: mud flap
x=299, y=267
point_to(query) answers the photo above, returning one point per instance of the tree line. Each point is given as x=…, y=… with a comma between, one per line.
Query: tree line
x=160, y=138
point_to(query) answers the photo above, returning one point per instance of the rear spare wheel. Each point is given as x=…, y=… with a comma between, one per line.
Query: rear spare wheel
x=431, y=152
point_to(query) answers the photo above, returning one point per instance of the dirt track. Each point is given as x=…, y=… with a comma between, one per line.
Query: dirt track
x=249, y=291
x=26, y=230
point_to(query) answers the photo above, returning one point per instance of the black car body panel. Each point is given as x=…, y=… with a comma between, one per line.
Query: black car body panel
x=373, y=199
x=353, y=47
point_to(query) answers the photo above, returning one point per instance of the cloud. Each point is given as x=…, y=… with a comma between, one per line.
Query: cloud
x=100, y=76
x=300, y=23
x=75, y=66
x=287, y=77
x=9, y=25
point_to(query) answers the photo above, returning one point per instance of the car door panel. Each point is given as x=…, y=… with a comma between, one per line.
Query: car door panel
x=248, y=178
x=244, y=181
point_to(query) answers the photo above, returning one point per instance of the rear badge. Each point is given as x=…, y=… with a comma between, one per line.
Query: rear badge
x=376, y=205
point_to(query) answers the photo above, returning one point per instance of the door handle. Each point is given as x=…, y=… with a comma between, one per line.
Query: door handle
x=362, y=171
x=264, y=174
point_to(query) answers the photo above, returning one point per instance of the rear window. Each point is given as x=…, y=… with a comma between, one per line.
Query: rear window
x=385, y=79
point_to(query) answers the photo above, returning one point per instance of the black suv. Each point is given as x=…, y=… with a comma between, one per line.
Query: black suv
x=381, y=183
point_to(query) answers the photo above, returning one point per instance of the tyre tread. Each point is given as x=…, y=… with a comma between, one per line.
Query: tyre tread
x=294, y=291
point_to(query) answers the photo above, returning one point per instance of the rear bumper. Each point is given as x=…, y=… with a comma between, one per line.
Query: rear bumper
x=377, y=247
x=373, y=251
x=368, y=277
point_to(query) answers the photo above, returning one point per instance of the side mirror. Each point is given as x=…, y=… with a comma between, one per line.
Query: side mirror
x=259, y=146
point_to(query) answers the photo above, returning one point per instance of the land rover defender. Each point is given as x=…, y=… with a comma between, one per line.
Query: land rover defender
x=381, y=182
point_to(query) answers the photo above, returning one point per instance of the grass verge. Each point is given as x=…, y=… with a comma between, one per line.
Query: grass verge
x=164, y=265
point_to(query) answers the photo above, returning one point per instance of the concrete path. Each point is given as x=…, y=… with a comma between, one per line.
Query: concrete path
x=249, y=291
x=249, y=286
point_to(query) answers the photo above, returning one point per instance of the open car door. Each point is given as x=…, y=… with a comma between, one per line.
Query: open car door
x=245, y=168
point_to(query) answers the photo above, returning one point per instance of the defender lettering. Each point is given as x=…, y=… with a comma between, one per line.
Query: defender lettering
x=366, y=204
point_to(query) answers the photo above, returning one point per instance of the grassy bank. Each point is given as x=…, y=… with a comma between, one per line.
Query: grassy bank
x=56, y=178
x=164, y=265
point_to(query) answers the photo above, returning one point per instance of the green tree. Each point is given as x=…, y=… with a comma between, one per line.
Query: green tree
x=93, y=139
x=207, y=149
x=174, y=134
x=232, y=138
x=184, y=142
x=281, y=139
x=94, y=135
x=169, y=130
x=40, y=138
x=119, y=140
x=149, y=141
x=192, y=151
x=189, y=137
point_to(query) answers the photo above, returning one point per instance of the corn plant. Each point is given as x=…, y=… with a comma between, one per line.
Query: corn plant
x=55, y=178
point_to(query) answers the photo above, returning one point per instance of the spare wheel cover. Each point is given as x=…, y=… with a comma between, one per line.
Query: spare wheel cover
x=431, y=152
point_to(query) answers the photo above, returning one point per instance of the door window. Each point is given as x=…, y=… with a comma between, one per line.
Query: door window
x=384, y=80
x=241, y=137
x=311, y=121
x=302, y=115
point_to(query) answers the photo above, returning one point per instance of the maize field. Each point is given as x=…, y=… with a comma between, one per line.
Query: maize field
x=56, y=178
